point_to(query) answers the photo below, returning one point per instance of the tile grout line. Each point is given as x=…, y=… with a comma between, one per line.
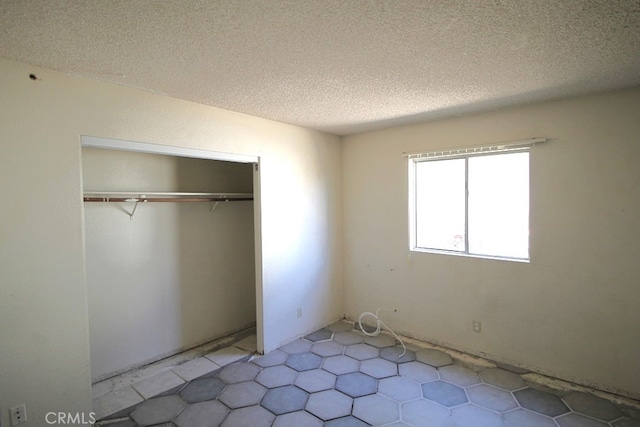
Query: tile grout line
x=462, y=374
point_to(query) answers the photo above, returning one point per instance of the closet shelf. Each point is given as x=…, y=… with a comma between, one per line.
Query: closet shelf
x=151, y=196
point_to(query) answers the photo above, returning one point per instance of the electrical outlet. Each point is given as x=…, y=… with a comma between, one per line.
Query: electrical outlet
x=477, y=326
x=299, y=312
x=18, y=415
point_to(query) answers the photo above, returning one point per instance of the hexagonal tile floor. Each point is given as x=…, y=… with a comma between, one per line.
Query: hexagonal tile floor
x=339, y=377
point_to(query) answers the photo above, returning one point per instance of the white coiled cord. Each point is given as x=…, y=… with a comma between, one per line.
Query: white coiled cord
x=379, y=325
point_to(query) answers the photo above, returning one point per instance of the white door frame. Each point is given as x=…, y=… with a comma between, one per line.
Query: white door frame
x=145, y=147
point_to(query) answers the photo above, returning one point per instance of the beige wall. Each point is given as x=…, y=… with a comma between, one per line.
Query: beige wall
x=44, y=356
x=571, y=312
x=174, y=275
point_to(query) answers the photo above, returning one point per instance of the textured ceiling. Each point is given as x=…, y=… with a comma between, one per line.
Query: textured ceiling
x=341, y=66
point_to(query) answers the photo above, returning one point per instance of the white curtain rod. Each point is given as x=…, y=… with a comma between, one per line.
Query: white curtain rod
x=477, y=149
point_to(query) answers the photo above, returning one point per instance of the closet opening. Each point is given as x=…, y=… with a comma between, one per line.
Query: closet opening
x=172, y=250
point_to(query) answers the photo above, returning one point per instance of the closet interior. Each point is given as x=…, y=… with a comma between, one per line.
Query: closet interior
x=170, y=259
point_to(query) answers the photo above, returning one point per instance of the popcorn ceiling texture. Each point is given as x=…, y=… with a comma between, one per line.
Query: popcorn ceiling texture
x=338, y=66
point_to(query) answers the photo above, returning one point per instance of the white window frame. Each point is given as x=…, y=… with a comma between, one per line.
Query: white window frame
x=457, y=153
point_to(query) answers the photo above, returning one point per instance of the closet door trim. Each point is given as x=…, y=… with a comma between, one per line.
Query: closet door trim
x=145, y=147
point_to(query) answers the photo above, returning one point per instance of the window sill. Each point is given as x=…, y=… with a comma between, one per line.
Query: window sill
x=467, y=255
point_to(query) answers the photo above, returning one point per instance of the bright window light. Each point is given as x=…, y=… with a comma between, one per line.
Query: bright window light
x=472, y=204
x=440, y=206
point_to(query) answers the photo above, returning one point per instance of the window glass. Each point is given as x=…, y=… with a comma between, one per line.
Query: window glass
x=486, y=196
x=440, y=204
x=499, y=205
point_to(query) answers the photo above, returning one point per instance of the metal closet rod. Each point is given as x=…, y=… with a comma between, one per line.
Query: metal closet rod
x=130, y=196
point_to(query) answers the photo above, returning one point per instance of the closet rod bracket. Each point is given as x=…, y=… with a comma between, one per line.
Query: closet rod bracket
x=137, y=200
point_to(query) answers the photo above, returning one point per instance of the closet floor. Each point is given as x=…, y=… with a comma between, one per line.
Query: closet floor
x=339, y=377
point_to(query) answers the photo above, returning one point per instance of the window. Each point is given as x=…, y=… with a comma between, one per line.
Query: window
x=473, y=203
